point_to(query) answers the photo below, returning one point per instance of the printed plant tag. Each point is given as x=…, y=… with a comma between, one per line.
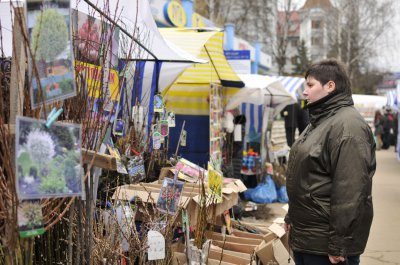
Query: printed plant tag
x=115, y=153
x=170, y=195
x=164, y=128
x=156, y=245
x=118, y=128
x=158, y=103
x=30, y=219
x=214, y=184
x=183, y=138
x=171, y=119
x=157, y=140
x=136, y=170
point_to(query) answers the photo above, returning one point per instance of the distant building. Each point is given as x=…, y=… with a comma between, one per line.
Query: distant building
x=315, y=16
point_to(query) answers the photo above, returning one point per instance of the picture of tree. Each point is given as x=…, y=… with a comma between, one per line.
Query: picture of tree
x=49, y=35
x=48, y=160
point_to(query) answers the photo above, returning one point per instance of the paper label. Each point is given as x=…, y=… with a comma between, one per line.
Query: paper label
x=214, y=184
x=157, y=140
x=164, y=128
x=156, y=245
x=158, y=103
x=136, y=170
x=171, y=119
x=118, y=128
x=183, y=139
x=170, y=194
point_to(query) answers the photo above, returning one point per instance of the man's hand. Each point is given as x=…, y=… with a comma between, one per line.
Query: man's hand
x=336, y=259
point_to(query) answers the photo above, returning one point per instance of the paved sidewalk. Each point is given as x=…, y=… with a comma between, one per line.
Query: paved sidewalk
x=384, y=242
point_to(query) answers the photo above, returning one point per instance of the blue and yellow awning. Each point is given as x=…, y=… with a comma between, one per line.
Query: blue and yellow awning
x=207, y=45
x=188, y=95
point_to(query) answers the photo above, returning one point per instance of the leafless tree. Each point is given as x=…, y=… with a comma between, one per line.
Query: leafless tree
x=283, y=25
x=356, y=27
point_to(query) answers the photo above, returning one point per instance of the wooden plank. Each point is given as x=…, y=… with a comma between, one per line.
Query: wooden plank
x=18, y=68
x=100, y=160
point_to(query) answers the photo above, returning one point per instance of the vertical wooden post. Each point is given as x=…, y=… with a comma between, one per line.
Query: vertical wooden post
x=18, y=66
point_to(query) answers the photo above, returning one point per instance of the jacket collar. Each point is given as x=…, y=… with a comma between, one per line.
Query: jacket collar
x=328, y=106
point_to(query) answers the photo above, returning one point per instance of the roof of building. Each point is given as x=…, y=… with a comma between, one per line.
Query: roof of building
x=317, y=3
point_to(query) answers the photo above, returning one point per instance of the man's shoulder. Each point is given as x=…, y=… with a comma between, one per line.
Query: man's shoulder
x=350, y=122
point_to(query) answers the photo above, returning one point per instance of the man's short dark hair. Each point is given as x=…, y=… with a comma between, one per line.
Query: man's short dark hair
x=331, y=70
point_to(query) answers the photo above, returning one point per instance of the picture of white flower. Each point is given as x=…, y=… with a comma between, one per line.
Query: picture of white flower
x=48, y=161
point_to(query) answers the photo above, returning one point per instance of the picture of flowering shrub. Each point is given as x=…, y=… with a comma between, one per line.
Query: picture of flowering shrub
x=30, y=218
x=48, y=161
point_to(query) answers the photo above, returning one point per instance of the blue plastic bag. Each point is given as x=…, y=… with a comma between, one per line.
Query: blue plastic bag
x=265, y=192
x=247, y=194
x=282, y=195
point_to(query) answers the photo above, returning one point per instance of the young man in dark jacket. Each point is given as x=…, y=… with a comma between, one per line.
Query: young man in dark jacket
x=330, y=171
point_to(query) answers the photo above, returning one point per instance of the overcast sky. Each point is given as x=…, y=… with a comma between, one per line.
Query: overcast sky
x=387, y=47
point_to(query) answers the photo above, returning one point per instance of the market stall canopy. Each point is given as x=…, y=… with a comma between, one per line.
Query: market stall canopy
x=257, y=91
x=262, y=90
x=295, y=85
x=206, y=44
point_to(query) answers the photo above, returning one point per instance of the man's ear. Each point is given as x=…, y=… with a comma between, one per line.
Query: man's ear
x=331, y=86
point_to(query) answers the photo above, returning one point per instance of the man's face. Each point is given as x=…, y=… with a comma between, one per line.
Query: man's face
x=314, y=90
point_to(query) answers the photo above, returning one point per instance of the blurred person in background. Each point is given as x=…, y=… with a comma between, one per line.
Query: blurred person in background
x=378, y=125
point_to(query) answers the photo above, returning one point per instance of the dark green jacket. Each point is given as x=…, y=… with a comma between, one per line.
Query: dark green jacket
x=329, y=180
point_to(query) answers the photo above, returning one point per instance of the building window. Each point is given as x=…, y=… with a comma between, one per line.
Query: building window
x=316, y=41
x=294, y=60
x=316, y=24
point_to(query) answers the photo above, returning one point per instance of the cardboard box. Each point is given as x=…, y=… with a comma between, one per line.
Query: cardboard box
x=275, y=247
x=218, y=262
x=245, y=248
x=233, y=239
x=190, y=198
x=239, y=233
x=214, y=257
x=242, y=255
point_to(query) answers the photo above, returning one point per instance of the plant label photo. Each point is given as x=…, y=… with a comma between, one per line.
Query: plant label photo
x=51, y=61
x=30, y=219
x=48, y=161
